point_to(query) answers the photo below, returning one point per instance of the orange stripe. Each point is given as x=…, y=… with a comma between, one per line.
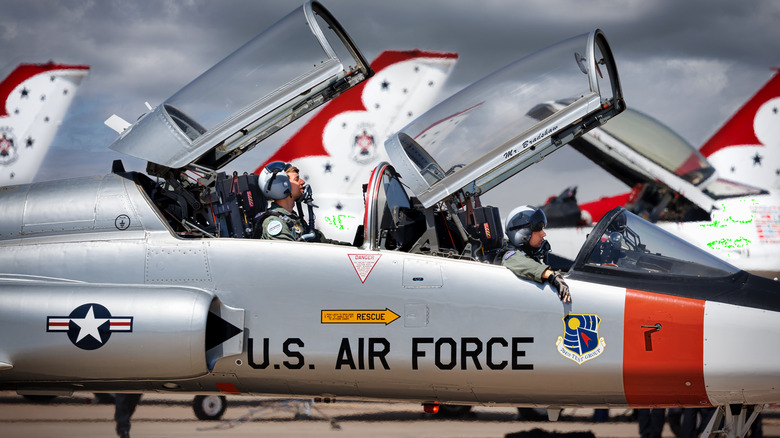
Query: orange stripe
x=663, y=368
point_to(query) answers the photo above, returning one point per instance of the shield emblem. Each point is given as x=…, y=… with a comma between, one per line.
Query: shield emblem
x=580, y=341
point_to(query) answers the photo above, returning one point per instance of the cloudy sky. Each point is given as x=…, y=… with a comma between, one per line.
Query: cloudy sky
x=688, y=64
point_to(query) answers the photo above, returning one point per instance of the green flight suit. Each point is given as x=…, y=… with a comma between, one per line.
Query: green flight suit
x=523, y=265
x=286, y=225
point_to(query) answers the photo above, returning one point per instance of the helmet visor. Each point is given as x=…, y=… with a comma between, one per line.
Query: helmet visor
x=277, y=166
x=536, y=221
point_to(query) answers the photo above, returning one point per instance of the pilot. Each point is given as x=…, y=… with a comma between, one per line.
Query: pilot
x=526, y=256
x=281, y=183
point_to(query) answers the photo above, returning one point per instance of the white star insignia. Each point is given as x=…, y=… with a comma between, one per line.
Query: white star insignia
x=89, y=326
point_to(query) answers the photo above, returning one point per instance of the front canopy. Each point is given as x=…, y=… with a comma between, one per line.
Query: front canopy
x=493, y=129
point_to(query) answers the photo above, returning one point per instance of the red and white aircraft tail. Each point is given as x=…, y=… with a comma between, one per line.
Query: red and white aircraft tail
x=747, y=148
x=35, y=99
x=337, y=149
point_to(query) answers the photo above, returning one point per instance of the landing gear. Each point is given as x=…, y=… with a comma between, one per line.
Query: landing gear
x=736, y=422
x=209, y=407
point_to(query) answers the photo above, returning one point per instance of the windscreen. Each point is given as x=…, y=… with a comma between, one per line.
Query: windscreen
x=629, y=243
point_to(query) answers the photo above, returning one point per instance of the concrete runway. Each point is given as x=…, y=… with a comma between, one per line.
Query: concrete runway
x=172, y=416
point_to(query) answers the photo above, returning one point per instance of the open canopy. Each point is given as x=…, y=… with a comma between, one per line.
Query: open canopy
x=299, y=63
x=493, y=129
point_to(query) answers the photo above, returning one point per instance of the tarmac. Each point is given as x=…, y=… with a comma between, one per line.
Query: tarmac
x=173, y=416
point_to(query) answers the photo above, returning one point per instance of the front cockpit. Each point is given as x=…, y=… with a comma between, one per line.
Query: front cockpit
x=489, y=131
x=429, y=200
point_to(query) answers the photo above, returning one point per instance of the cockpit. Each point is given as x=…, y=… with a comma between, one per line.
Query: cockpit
x=428, y=201
x=627, y=251
x=624, y=242
x=293, y=67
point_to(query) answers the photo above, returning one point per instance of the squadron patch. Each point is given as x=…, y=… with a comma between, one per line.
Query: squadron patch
x=580, y=341
x=274, y=227
x=364, y=147
x=509, y=254
x=8, y=152
x=89, y=326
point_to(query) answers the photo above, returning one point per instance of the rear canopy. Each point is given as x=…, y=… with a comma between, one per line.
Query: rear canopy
x=299, y=63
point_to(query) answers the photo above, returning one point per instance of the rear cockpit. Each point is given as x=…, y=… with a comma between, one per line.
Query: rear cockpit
x=193, y=206
x=298, y=64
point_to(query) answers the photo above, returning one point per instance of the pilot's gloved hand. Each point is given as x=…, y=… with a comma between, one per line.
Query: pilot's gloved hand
x=556, y=280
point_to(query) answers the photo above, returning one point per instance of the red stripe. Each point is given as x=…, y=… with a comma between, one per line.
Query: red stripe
x=59, y=324
x=663, y=368
x=123, y=324
x=227, y=388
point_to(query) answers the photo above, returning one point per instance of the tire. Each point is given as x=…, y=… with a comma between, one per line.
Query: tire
x=532, y=414
x=42, y=399
x=454, y=411
x=209, y=407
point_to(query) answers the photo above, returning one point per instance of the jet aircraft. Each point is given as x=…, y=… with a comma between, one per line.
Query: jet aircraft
x=674, y=185
x=337, y=149
x=35, y=99
x=135, y=282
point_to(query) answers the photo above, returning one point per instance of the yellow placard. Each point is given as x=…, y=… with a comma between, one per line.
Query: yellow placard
x=385, y=316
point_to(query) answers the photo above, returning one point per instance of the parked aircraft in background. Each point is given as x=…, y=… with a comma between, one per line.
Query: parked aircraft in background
x=674, y=185
x=747, y=147
x=340, y=146
x=35, y=99
x=150, y=283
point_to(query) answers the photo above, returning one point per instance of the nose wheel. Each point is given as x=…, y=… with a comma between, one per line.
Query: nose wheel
x=209, y=407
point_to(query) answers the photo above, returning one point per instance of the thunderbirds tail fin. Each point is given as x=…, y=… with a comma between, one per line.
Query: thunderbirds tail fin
x=747, y=146
x=35, y=99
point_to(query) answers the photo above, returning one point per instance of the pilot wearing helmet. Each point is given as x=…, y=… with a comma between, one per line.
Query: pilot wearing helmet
x=280, y=182
x=527, y=255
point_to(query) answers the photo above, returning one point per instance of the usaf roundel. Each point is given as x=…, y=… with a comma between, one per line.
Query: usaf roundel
x=89, y=326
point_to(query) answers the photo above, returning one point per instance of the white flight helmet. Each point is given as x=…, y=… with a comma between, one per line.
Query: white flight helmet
x=522, y=222
x=273, y=180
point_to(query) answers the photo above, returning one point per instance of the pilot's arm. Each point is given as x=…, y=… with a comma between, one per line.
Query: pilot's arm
x=529, y=269
x=524, y=266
